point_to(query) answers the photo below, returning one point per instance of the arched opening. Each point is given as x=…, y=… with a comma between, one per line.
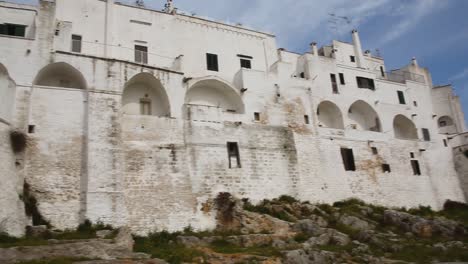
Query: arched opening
x=60, y=74
x=364, y=117
x=445, y=121
x=145, y=95
x=215, y=93
x=446, y=125
x=329, y=115
x=404, y=128
x=7, y=94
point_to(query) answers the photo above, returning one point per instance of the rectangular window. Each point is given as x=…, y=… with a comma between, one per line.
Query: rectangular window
x=348, y=159
x=352, y=58
x=386, y=168
x=212, y=62
x=412, y=155
x=445, y=143
x=306, y=119
x=365, y=83
x=302, y=75
x=342, y=80
x=416, y=168
x=245, y=63
x=145, y=106
x=13, y=30
x=233, y=155
x=76, y=43
x=334, y=84
x=401, y=97
x=141, y=54
x=375, y=151
x=31, y=129
x=426, y=135
x=382, y=72
x=257, y=116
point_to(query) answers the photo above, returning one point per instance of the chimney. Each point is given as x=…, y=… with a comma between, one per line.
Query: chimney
x=169, y=7
x=360, y=60
x=414, y=62
x=313, y=48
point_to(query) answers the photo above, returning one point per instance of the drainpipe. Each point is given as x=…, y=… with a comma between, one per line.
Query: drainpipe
x=360, y=60
x=108, y=28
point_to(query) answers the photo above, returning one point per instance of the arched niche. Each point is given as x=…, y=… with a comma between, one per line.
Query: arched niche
x=446, y=125
x=7, y=94
x=364, y=117
x=60, y=74
x=404, y=128
x=329, y=115
x=145, y=95
x=215, y=93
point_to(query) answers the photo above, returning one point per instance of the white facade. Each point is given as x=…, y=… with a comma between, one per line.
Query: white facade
x=137, y=138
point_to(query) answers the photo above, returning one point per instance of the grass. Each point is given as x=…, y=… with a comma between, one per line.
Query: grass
x=61, y=260
x=224, y=247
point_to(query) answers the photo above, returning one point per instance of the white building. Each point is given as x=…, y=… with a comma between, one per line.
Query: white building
x=138, y=117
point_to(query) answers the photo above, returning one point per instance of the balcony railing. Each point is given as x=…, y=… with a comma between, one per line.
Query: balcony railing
x=401, y=76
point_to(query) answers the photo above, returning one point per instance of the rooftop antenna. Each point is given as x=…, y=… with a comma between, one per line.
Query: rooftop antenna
x=140, y=3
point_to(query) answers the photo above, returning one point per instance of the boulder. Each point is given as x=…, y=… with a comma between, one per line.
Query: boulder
x=355, y=223
x=308, y=226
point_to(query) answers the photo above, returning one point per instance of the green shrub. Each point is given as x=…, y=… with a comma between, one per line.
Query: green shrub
x=287, y=199
x=224, y=247
x=61, y=260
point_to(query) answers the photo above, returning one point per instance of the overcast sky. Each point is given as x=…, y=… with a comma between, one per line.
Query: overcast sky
x=434, y=31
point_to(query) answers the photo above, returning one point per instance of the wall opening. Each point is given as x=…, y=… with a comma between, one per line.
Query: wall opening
x=404, y=128
x=386, y=168
x=426, y=134
x=306, y=119
x=415, y=167
x=446, y=125
x=76, y=43
x=141, y=54
x=365, y=83
x=329, y=115
x=257, y=116
x=60, y=74
x=374, y=151
x=334, y=83
x=364, y=117
x=233, y=155
x=401, y=97
x=348, y=159
x=212, y=62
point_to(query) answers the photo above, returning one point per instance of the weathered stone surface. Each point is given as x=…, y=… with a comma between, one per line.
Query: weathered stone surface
x=37, y=231
x=329, y=236
x=355, y=223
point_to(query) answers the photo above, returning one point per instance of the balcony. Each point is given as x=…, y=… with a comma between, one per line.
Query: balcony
x=400, y=76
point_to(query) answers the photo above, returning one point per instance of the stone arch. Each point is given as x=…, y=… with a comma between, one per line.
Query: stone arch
x=215, y=92
x=60, y=74
x=446, y=125
x=364, y=117
x=404, y=128
x=7, y=94
x=329, y=115
x=144, y=94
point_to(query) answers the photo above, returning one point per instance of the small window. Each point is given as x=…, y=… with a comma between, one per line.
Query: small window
x=302, y=75
x=57, y=32
x=445, y=143
x=257, y=116
x=212, y=62
x=31, y=129
x=375, y=151
x=245, y=63
x=426, y=134
x=141, y=54
x=145, y=106
x=334, y=84
x=76, y=43
x=412, y=155
x=416, y=168
x=352, y=58
x=386, y=168
x=415, y=103
x=382, y=71
x=13, y=30
x=401, y=97
x=233, y=155
x=348, y=159
x=306, y=119
x=365, y=83
x=342, y=80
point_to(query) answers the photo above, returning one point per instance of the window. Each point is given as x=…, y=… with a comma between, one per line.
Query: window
x=306, y=119
x=382, y=72
x=426, y=135
x=375, y=151
x=386, y=168
x=401, y=97
x=13, y=30
x=302, y=75
x=416, y=168
x=348, y=159
x=445, y=143
x=145, y=106
x=352, y=58
x=31, y=129
x=212, y=62
x=342, y=80
x=412, y=155
x=334, y=84
x=76, y=43
x=365, y=83
x=257, y=116
x=141, y=54
x=233, y=155
x=245, y=63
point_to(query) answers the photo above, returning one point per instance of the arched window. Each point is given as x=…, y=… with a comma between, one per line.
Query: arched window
x=364, y=117
x=60, y=74
x=404, y=128
x=215, y=93
x=329, y=115
x=145, y=95
x=445, y=121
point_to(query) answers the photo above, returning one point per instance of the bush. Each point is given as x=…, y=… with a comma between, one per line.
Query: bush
x=287, y=199
x=19, y=141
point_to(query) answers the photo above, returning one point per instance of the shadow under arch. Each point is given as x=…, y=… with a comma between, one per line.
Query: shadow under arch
x=144, y=94
x=215, y=92
x=329, y=115
x=364, y=117
x=60, y=74
x=404, y=128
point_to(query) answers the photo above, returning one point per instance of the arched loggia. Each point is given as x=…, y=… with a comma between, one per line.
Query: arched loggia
x=404, y=128
x=60, y=74
x=364, y=117
x=329, y=115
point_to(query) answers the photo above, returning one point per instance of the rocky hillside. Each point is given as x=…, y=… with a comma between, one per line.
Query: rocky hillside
x=283, y=230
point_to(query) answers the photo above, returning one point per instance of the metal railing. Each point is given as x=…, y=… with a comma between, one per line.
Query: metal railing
x=401, y=76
